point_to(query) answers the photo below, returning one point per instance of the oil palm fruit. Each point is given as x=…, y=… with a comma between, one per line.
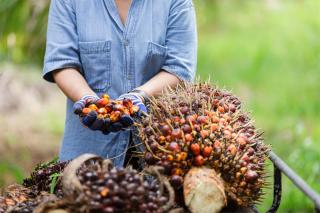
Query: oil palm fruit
x=199, y=125
x=106, y=115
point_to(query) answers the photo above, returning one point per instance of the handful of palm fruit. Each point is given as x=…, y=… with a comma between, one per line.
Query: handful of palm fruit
x=107, y=115
x=199, y=125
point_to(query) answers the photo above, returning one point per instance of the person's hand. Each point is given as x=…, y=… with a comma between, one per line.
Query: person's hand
x=83, y=102
x=137, y=99
x=105, y=115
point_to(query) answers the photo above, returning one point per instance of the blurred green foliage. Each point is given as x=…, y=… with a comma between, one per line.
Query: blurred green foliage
x=267, y=52
x=23, y=25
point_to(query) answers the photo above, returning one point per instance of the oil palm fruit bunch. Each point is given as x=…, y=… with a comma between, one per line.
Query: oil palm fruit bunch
x=106, y=115
x=45, y=177
x=104, y=188
x=199, y=125
x=17, y=199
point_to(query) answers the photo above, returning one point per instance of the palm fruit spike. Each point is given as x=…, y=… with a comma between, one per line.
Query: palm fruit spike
x=216, y=133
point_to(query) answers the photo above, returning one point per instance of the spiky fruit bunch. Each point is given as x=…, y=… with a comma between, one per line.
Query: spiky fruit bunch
x=201, y=125
x=120, y=190
x=107, y=115
x=45, y=177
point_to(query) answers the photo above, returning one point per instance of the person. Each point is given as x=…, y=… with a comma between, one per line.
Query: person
x=116, y=47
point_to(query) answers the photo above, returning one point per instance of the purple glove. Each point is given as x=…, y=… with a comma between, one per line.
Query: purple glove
x=83, y=102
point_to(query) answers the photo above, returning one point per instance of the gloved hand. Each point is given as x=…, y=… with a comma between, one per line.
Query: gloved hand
x=138, y=98
x=83, y=102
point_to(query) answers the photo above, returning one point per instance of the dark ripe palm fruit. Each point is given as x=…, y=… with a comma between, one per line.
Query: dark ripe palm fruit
x=119, y=190
x=97, y=124
x=40, y=179
x=89, y=118
x=202, y=125
x=126, y=120
x=149, y=158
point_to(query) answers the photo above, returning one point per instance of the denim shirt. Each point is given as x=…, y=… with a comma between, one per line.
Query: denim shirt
x=116, y=58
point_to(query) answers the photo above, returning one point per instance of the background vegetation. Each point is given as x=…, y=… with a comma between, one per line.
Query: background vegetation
x=267, y=52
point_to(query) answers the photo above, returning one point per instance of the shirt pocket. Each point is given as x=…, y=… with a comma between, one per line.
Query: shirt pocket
x=156, y=56
x=96, y=64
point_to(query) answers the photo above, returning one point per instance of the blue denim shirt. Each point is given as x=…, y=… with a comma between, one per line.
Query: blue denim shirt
x=114, y=59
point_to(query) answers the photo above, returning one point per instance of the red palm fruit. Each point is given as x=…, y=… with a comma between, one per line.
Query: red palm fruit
x=250, y=151
x=232, y=107
x=169, y=138
x=217, y=144
x=182, y=121
x=195, y=148
x=86, y=111
x=207, y=150
x=115, y=116
x=109, y=107
x=242, y=142
x=204, y=133
x=188, y=137
x=251, y=176
x=202, y=119
x=199, y=160
x=173, y=146
x=93, y=107
x=190, y=119
x=127, y=102
x=215, y=102
x=221, y=109
x=176, y=119
x=215, y=119
x=214, y=127
x=246, y=158
x=102, y=102
x=232, y=149
x=176, y=133
x=166, y=130
x=186, y=128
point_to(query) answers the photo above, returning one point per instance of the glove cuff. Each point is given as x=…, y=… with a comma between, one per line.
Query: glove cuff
x=144, y=96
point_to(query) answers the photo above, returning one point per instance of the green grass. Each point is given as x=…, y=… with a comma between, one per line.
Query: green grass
x=271, y=59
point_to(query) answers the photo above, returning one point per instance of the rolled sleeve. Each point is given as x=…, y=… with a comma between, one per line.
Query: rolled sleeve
x=181, y=40
x=62, y=40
